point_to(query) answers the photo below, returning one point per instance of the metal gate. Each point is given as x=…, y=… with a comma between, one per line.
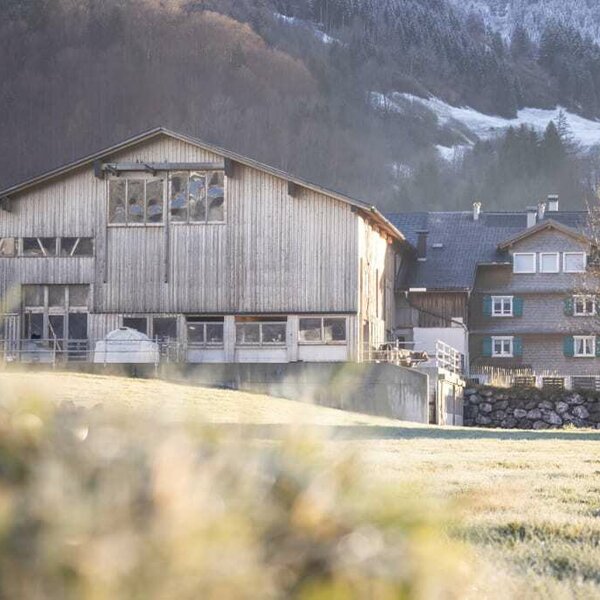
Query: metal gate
x=9, y=337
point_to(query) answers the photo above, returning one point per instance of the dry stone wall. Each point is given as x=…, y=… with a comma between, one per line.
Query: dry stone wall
x=519, y=408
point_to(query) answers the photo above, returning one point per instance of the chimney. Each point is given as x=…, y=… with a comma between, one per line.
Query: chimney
x=553, y=203
x=422, y=244
x=541, y=210
x=532, y=213
x=476, y=210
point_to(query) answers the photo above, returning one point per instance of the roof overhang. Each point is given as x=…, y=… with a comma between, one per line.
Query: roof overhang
x=363, y=208
x=548, y=224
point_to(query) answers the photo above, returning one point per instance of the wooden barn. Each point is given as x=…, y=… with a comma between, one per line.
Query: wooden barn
x=213, y=256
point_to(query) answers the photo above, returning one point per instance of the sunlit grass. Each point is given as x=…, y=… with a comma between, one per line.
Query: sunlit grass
x=522, y=507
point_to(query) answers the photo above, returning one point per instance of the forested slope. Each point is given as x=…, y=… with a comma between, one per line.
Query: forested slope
x=290, y=82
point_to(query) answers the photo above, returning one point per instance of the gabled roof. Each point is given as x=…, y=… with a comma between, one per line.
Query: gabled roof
x=457, y=244
x=363, y=207
x=544, y=225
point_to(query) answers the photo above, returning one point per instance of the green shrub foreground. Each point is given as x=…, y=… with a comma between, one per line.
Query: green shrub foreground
x=100, y=505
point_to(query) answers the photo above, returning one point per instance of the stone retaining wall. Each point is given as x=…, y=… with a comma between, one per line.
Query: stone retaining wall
x=519, y=408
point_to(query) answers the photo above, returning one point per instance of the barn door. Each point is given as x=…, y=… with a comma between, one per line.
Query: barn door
x=9, y=337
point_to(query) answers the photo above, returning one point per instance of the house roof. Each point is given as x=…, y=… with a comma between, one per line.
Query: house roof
x=457, y=244
x=543, y=225
x=370, y=211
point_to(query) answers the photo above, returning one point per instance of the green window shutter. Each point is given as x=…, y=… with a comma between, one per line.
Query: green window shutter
x=569, y=346
x=517, y=346
x=598, y=345
x=487, y=347
x=517, y=307
x=569, y=306
x=487, y=306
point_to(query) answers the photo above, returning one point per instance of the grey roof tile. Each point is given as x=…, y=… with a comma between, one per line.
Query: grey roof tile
x=457, y=244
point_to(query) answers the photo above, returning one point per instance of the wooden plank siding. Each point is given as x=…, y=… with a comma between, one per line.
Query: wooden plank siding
x=437, y=309
x=377, y=260
x=274, y=254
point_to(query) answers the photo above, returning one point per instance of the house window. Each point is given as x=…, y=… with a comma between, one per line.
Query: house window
x=574, y=262
x=8, y=247
x=164, y=329
x=322, y=330
x=584, y=345
x=584, y=306
x=502, y=306
x=197, y=197
x=204, y=331
x=524, y=262
x=502, y=346
x=549, y=262
x=135, y=201
x=260, y=331
x=39, y=247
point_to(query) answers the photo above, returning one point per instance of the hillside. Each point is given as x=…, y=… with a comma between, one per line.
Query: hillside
x=292, y=82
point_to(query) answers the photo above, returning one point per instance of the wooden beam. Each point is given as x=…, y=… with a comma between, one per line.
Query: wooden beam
x=98, y=171
x=229, y=167
x=5, y=204
x=293, y=189
x=153, y=168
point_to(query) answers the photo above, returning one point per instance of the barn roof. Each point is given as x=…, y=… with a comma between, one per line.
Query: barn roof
x=368, y=210
x=457, y=244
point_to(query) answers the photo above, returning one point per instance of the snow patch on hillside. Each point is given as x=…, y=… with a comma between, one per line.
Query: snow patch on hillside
x=584, y=131
x=321, y=35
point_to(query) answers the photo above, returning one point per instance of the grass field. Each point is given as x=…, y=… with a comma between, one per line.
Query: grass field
x=527, y=504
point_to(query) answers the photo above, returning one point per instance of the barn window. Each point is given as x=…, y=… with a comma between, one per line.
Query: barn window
x=76, y=246
x=138, y=323
x=322, y=330
x=8, y=247
x=178, y=197
x=197, y=197
x=39, y=247
x=260, y=331
x=164, y=329
x=205, y=331
x=33, y=296
x=135, y=201
x=216, y=197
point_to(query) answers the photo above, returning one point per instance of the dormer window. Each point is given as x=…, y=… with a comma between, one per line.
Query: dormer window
x=549, y=262
x=524, y=262
x=574, y=262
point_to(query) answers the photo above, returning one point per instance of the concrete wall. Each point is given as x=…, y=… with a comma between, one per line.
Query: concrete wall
x=375, y=389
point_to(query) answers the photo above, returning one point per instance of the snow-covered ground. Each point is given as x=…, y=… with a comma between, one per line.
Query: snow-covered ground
x=321, y=35
x=584, y=131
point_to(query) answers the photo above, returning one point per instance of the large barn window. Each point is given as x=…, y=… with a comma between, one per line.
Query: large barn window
x=197, y=197
x=322, y=330
x=260, y=331
x=42, y=247
x=135, y=201
x=204, y=331
x=77, y=246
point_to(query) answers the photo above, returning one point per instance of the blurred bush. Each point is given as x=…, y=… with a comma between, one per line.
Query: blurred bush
x=97, y=505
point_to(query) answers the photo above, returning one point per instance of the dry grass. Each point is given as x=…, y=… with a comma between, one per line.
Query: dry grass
x=528, y=502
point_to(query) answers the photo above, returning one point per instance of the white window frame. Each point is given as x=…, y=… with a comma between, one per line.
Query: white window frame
x=261, y=343
x=322, y=341
x=206, y=343
x=503, y=339
x=566, y=254
x=531, y=254
x=502, y=299
x=556, y=256
x=585, y=298
x=582, y=338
